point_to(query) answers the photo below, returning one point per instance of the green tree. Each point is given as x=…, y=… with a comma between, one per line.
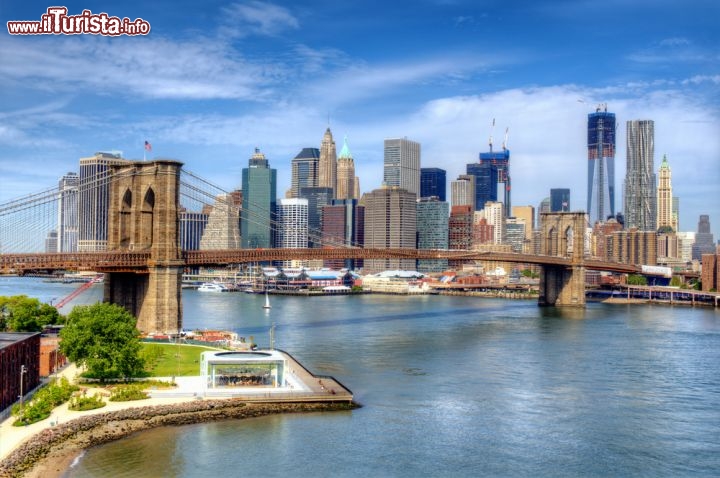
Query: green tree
x=105, y=339
x=635, y=279
x=21, y=313
x=676, y=281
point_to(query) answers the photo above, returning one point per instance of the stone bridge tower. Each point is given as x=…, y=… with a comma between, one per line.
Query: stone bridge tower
x=143, y=216
x=563, y=234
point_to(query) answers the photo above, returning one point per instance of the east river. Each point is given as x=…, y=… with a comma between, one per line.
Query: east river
x=452, y=386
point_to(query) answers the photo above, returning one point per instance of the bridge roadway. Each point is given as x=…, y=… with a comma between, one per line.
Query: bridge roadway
x=132, y=261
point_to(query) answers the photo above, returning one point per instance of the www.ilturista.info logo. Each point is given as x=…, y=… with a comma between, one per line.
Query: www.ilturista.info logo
x=57, y=22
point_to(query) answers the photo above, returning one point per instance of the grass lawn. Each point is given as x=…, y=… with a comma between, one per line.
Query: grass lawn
x=171, y=360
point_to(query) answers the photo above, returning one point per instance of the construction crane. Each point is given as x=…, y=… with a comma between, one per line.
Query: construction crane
x=491, y=134
x=507, y=130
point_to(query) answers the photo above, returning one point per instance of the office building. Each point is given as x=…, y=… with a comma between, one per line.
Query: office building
x=221, y=230
x=51, y=242
x=632, y=246
x=317, y=198
x=482, y=232
x=292, y=216
x=665, y=217
x=432, y=183
x=192, y=226
x=460, y=227
x=462, y=191
x=402, y=164
x=327, y=164
x=93, y=200
x=704, y=241
x=515, y=234
x=601, y=165
x=257, y=220
x=390, y=222
x=304, y=168
x=495, y=215
x=432, y=231
x=686, y=240
x=640, y=194
x=486, y=180
x=526, y=213
x=343, y=225
x=710, y=278
x=346, y=179
x=499, y=164
x=68, y=221
x=559, y=200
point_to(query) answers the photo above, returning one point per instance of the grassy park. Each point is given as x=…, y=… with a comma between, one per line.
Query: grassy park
x=172, y=360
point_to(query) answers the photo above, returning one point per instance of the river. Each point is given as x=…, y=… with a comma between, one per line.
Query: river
x=453, y=386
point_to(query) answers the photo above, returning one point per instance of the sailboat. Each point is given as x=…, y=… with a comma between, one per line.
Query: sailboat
x=267, y=301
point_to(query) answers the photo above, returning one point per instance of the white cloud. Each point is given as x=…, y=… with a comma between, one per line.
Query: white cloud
x=260, y=18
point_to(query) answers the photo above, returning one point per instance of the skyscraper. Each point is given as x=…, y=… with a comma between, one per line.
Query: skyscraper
x=346, y=174
x=527, y=213
x=343, y=225
x=704, y=242
x=93, y=200
x=67, y=239
x=327, y=164
x=559, y=200
x=402, y=164
x=432, y=183
x=499, y=162
x=292, y=217
x=192, y=226
x=640, y=194
x=432, y=231
x=601, y=164
x=221, y=230
x=664, y=198
x=304, y=170
x=317, y=198
x=486, y=181
x=257, y=219
x=462, y=191
x=390, y=222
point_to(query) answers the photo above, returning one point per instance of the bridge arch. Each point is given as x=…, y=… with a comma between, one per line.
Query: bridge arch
x=564, y=236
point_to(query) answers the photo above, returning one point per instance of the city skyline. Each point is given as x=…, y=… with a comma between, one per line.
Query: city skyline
x=212, y=82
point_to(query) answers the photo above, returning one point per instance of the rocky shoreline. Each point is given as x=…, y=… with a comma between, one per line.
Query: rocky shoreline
x=50, y=452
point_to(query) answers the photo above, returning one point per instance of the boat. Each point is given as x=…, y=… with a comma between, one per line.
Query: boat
x=212, y=287
x=267, y=301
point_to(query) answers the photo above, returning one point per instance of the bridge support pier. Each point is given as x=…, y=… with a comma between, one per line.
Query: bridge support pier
x=562, y=286
x=563, y=235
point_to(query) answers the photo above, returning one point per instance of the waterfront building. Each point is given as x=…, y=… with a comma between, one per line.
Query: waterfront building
x=292, y=217
x=402, y=164
x=93, y=200
x=601, y=235
x=68, y=221
x=432, y=231
x=710, y=277
x=640, y=194
x=560, y=200
x=317, y=198
x=222, y=230
x=304, y=168
x=432, y=183
x=257, y=220
x=704, y=242
x=486, y=180
x=390, y=222
x=346, y=179
x=20, y=365
x=343, y=225
x=192, y=226
x=462, y=191
x=527, y=213
x=601, y=164
x=632, y=246
x=665, y=218
x=327, y=164
x=668, y=252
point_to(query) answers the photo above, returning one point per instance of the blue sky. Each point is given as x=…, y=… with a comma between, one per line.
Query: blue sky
x=213, y=80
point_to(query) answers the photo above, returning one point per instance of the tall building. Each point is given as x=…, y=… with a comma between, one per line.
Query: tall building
x=68, y=221
x=601, y=164
x=432, y=231
x=51, y=242
x=390, y=222
x=704, y=242
x=559, y=200
x=686, y=240
x=292, y=218
x=257, y=219
x=515, y=233
x=432, y=183
x=192, y=226
x=543, y=207
x=527, y=213
x=402, y=164
x=665, y=198
x=221, y=230
x=495, y=215
x=327, y=164
x=460, y=226
x=93, y=200
x=462, y=191
x=640, y=194
x=317, y=198
x=486, y=181
x=499, y=163
x=710, y=277
x=346, y=179
x=343, y=226
x=304, y=170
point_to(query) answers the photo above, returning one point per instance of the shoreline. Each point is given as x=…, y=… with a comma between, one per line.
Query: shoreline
x=51, y=452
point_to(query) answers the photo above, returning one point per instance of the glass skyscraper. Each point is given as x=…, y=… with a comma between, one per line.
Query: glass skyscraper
x=432, y=232
x=304, y=170
x=640, y=192
x=432, y=183
x=486, y=181
x=601, y=165
x=559, y=200
x=402, y=164
x=257, y=218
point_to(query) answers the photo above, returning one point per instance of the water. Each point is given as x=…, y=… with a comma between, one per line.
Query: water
x=454, y=386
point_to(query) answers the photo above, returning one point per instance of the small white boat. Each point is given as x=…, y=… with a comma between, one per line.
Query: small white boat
x=212, y=287
x=267, y=301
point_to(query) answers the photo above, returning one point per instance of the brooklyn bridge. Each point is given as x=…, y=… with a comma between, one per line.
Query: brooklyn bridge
x=143, y=261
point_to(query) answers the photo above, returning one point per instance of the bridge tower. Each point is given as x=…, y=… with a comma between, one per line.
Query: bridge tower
x=143, y=216
x=563, y=234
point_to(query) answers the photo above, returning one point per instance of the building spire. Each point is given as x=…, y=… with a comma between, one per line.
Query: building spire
x=345, y=151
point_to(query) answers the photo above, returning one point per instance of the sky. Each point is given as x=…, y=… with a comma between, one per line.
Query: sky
x=213, y=80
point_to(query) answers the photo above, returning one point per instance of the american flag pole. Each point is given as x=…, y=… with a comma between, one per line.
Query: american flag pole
x=148, y=147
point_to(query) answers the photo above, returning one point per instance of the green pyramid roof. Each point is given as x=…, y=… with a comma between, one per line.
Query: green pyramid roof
x=345, y=152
